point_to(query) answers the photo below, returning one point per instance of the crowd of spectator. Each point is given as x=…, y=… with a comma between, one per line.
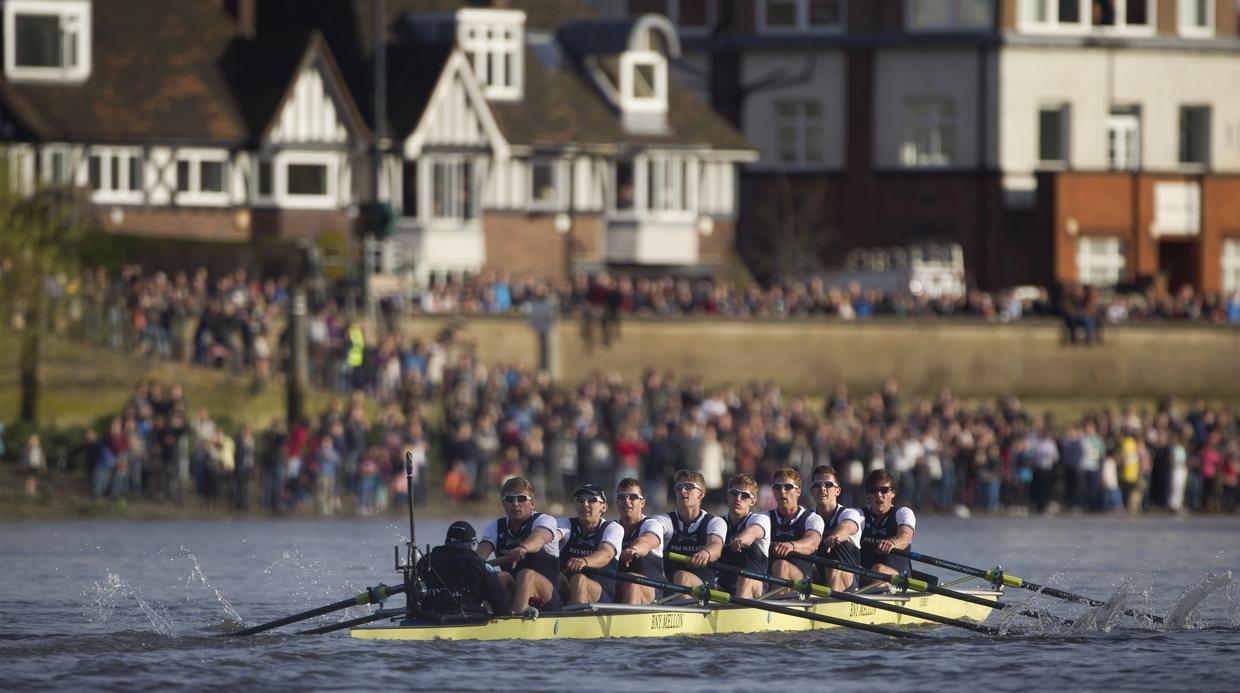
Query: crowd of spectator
x=498, y=421
x=235, y=320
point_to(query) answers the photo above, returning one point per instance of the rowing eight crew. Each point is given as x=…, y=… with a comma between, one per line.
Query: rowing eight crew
x=542, y=558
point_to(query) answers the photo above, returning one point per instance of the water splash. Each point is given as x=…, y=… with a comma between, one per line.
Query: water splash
x=196, y=573
x=1184, y=606
x=1099, y=618
x=113, y=592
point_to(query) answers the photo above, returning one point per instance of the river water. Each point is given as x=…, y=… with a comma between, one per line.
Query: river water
x=117, y=605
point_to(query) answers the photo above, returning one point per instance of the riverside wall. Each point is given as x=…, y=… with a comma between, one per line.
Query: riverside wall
x=973, y=358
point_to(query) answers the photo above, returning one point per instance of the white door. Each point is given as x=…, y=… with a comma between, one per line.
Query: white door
x=1124, y=142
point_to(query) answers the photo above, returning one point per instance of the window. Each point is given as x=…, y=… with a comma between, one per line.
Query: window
x=798, y=131
x=1194, y=135
x=624, y=194
x=265, y=184
x=305, y=180
x=494, y=41
x=545, y=185
x=1122, y=14
x=200, y=176
x=453, y=190
x=643, y=80
x=1124, y=138
x=929, y=132
x=1053, y=122
x=1049, y=14
x=409, y=193
x=800, y=15
x=930, y=15
x=1196, y=17
x=667, y=183
x=691, y=16
x=1099, y=260
x=45, y=40
x=54, y=165
x=1231, y=264
x=115, y=174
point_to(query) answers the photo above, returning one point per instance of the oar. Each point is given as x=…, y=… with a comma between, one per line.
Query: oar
x=921, y=585
x=368, y=618
x=826, y=592
x=996, y=576
x=702, y=591
x=372, y=595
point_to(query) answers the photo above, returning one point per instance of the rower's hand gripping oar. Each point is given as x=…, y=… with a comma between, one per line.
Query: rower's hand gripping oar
x=995, y=576
x=704, y=592
x=373, y=595
x=899, y=581
x=805, y=586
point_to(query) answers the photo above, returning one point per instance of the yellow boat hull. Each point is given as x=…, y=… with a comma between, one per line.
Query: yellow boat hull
x=653, y=622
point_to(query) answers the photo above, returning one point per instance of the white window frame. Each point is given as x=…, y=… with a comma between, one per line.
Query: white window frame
x=74, y=16
x=1208, y=139
x=953, y=17
x=1064, y=112
x=486, y=36
x=1085, y=10
x=195, y=195
x=279, y=180
x=1193, y=30
x=1229, y=263
x=673, y=178
x=672, y=10
x=110, y=191
x=802, y=25
x=940, y=115
x=799, y=123
x=426, y=189
x=629, y=62
x=559, y=179
x=1123, y=128
x=46, y=153
x=1100, y=260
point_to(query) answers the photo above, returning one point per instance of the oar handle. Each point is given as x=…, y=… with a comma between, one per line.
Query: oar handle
x=798, y=585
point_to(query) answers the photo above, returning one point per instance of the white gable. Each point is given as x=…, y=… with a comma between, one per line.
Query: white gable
x=457, y=114
x=311, y=113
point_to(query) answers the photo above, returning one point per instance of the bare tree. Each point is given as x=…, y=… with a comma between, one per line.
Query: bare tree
x=790, y=236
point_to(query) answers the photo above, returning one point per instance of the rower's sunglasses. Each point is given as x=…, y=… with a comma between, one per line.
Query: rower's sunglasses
x=880, y=489
x=823, y=484
x=588, y=500
x=517, y=499
x=630, y=497
x=785, y=487
x=737, y=493
x=687, y=486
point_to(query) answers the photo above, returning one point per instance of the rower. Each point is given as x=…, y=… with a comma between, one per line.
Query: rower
x=841, y=540
x=886, y=527
x=589, y=541
x=691, y=531
x=748, y=540
x=457, y=581
x=525, y=540
x=643, y=544
x=793, y=528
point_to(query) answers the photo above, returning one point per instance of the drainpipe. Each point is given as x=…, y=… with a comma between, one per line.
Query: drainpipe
x=984, y=275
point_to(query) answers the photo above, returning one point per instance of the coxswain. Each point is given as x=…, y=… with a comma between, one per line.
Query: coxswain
x=643, y=544
x=886, y=527
x=691, y=531
x=456, y=581
x=589, y=541
x=841, y=538
x=526, y=544
x=793, y=528
x=748, y=540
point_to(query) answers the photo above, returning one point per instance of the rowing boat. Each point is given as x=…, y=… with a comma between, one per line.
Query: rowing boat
x=591, y=621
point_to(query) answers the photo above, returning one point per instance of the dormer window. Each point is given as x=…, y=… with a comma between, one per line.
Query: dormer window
x=643, y=81
x=494, y=41
x=47, y=40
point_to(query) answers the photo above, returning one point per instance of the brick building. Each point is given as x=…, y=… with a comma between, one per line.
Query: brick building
x=528, y=137
x=1054, y=140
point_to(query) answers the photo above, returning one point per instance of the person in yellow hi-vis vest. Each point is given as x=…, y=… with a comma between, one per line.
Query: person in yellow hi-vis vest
x=356, y=354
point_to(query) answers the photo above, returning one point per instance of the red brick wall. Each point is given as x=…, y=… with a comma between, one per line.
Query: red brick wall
x=1220, y=219
x=1166, y=17
x=1007, y=14
x=1226, y=22
x=525, y=243
x=719, y=248
x=180, y=222
x=299, y=223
